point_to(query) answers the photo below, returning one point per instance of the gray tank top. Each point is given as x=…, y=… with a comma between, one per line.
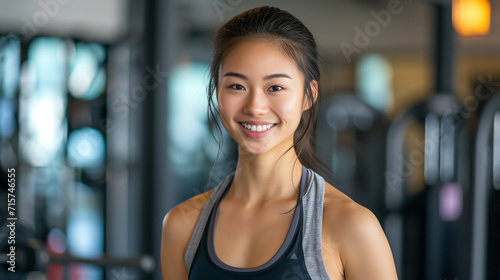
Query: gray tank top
x=312, y=218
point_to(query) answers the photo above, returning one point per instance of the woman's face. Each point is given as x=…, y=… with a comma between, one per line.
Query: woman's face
x=261, y=96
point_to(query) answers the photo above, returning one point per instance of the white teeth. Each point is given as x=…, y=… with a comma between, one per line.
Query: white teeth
x=257, y=128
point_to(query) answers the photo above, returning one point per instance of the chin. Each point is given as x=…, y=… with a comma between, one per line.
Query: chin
x=251, y=149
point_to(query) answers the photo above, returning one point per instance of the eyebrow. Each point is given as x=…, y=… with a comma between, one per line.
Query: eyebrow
x=268, y=77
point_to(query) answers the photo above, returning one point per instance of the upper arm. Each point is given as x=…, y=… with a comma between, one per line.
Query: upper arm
x=365, y=251
x=172, y=246
x=178, y=226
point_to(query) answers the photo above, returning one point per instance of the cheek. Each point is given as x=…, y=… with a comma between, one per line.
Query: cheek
x=227, y=107
x=291, y=109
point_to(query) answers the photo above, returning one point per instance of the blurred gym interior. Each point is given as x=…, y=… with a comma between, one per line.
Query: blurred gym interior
x=103, y=128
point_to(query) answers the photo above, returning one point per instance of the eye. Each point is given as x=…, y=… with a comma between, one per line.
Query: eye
x=237, y=87
x=275, y=88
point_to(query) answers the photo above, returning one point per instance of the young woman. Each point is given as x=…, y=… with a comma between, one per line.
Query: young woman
x=275, y=217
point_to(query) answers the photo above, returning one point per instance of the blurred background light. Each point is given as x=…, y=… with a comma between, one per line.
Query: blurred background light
x=471, y=17
x=86, y=148
x=9, y=65
x=48, y=58
x=85, y=230
x=56, y=241
x=373, y=81
x=450, y=206
x=43, y=105
x=87, y=77
x=45, y=114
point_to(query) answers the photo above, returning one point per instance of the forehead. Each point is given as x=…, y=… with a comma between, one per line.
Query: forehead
x=259, y=57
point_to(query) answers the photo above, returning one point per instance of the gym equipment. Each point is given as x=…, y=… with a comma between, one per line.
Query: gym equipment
x=350, y=139
x=485, y=261
x=427, y=181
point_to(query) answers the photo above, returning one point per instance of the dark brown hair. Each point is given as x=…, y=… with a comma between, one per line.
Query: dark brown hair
x=297, y=42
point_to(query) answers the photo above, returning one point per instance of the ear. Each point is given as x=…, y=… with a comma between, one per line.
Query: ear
x=314, y=91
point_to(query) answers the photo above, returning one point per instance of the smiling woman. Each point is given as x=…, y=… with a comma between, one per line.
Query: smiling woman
x=274, y=217
x=260, y=86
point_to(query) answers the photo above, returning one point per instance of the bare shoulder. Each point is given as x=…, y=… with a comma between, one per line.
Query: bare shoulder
x=178, y=225
x=344, y=215
x=186, y=213
x=363, y=248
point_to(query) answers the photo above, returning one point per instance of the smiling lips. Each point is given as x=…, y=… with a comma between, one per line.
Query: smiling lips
x=256, y=130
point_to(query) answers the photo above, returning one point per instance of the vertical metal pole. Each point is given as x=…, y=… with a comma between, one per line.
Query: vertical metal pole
x=436, y=261
x=162, y=38
x=444, y=47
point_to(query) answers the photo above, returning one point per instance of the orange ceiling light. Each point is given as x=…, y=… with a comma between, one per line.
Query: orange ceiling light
x=471, y=17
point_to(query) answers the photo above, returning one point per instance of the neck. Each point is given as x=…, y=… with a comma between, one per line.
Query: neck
x=266, y=177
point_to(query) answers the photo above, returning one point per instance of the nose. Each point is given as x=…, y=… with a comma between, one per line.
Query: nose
x=255, y=104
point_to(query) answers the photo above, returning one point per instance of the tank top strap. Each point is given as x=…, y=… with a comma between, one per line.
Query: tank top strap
x=312, y=212
x=202, y=220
